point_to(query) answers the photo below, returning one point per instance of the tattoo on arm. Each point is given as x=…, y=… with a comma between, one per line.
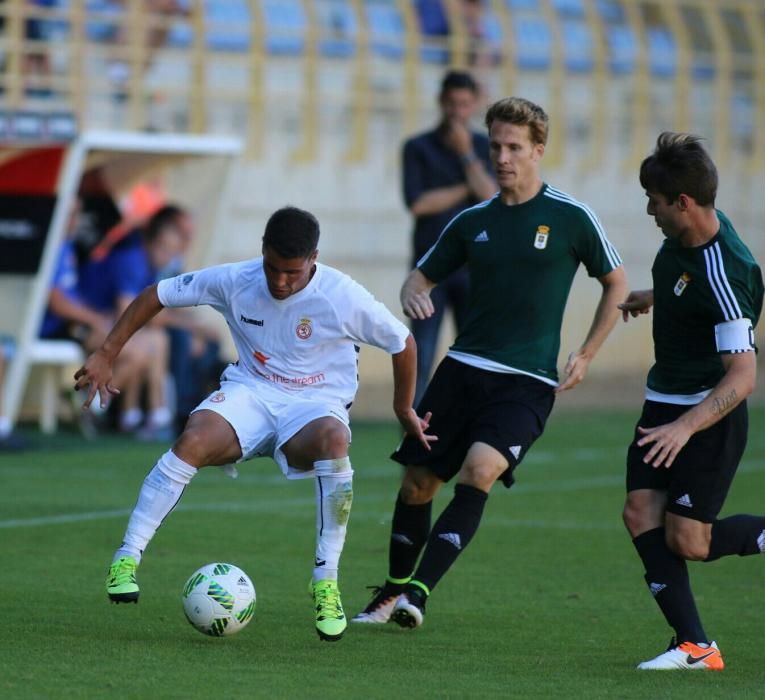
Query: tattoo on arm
x=722, y=405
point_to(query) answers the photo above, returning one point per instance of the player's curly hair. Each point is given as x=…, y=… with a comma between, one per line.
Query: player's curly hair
x=292, y=233
x=523, y=112
x=680, y=165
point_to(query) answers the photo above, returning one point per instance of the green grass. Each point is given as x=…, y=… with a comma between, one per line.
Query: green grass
x=548, y=601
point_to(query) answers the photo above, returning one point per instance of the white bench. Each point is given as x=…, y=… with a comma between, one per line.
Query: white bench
x=52, y=356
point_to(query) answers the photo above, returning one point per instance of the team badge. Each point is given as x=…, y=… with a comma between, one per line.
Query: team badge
x=218, y=398
x=304, y=329
x=540, y=239
x=682, y=283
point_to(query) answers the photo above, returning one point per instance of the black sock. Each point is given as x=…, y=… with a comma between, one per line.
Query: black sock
x=667, y=577
x=738, y=534
x=451, y=534
x=409, y=533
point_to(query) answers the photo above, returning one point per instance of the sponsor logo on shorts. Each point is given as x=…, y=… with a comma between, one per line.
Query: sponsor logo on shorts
x=482, y=237
x=304, y=329
x=682, y=283
x=540, y=238
x=684, y=500
x=515, y=450
x=218, y=398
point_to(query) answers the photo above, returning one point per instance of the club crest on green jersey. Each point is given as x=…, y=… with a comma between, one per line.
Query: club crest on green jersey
x=682, y=283
x=540, y=239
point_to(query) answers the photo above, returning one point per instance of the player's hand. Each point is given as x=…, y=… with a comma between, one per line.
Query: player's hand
x=637, y=302
x=667, y=439
x=417, y=305
x=458, y=138
x=575, y=370
x=96, y=374
x=415, y=426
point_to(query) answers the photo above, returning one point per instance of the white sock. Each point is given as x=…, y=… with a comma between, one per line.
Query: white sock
x=161, y=490
x=131, y=419
x=334, y=495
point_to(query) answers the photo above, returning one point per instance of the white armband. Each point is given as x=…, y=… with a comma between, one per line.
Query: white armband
x=735, y=336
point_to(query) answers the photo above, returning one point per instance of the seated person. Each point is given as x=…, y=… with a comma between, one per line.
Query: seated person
x=108, y=286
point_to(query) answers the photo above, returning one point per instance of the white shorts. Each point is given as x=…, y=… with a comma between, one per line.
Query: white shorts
x=263, y=422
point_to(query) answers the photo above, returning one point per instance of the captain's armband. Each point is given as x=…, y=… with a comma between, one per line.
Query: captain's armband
x=735, y=336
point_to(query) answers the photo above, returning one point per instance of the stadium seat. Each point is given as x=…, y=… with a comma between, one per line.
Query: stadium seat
x=611, y=11
x=52, y=356
x=434, y=24
x=286, y=25
x=533, y=41
x=338, y=27
x=386, y=28
x=662, y=51
x=622, y=48
x=228, y=25
x=577, y=45
x=569, y=8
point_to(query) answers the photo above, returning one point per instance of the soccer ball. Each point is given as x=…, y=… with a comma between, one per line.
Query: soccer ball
x=219, y=599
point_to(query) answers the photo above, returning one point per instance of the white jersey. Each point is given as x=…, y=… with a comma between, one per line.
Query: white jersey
x=304, y=344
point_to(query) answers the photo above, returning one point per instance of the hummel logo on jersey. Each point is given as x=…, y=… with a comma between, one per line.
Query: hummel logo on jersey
x=684, y=501
x=656, y=588
x=481, y=237
x=515, y=450
x=401, y=538
x=451, y=538
x=761, y=541
x=252, y=321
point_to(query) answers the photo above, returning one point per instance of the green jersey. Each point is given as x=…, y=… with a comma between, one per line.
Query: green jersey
x=522, y=260
x=697, y=292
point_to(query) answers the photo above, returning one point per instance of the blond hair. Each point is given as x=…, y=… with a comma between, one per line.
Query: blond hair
x=523, y=112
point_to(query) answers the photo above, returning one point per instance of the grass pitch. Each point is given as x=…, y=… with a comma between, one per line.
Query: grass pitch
x=548, y=600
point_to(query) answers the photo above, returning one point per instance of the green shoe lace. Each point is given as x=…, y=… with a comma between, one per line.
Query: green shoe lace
x=330, y=618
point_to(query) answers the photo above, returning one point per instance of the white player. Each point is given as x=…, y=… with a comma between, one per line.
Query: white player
x=295, y=324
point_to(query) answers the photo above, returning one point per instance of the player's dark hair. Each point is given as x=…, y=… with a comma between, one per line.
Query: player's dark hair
x=523, y=112
x=292, y=233
x=165, y=216
x=680, y=165
x=458, y=80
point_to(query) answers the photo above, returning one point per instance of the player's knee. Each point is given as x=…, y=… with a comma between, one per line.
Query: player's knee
x=634, y=518
x=332, y=440
x=418, y=489
x=480, y=475
x=192, y=446
x=686, y=547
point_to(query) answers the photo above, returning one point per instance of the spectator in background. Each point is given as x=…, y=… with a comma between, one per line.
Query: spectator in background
x=109, y=285
x=445, y=170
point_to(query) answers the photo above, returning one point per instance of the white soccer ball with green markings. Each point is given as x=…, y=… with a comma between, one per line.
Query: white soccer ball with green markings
x=219, y=599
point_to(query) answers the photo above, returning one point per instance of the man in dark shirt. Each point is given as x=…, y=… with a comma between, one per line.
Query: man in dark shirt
x=445, y=170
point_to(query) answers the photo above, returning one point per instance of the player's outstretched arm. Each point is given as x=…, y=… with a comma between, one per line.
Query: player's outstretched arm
x=638, y=301
x=96, y=373
x=415, y=296
x=614, y=286
x=404, y=382
x=737, y=383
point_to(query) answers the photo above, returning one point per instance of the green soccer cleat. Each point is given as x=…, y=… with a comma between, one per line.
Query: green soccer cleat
x=330, y=618
x=121, y=586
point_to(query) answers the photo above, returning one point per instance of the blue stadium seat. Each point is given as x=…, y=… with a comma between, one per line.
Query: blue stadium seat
x=623, y=49
x=386, y=28
x=228, y=25
x=102, y=29
x=569, y=8
x=286, y=25
x=434, y=22
x=611, y=11
x=533, y=41
x=338, y=27
x=577, y=45
x=662, y=52
x=523, y=4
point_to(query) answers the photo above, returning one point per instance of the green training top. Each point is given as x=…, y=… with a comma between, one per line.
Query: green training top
x=522, y=260
x=694, y=289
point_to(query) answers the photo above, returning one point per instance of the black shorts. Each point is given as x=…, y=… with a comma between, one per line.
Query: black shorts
x=506, y=411
x=700, y=477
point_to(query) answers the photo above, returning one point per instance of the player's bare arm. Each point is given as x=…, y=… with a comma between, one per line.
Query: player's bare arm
x=638, y=302
x=96, y=373
x=415, y=296
x=404, y=382
x=737, y=383
x=614, y=287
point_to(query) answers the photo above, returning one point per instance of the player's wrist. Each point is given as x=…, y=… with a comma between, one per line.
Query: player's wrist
x=468, y=158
